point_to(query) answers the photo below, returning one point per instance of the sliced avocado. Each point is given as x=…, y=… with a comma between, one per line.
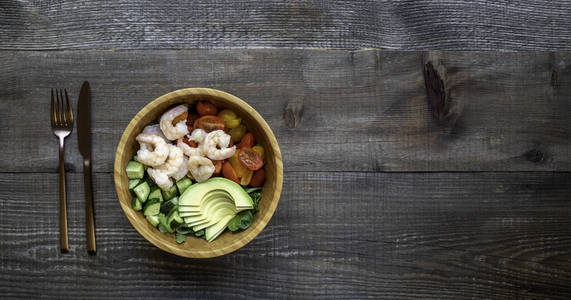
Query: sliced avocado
x=214, y=231
x=194, y=195
x=216, y=217
x=210, y=212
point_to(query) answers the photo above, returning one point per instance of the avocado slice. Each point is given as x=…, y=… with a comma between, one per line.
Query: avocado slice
x=209, y=208
x=214, y=231
x=215, y=218
x=194, y=196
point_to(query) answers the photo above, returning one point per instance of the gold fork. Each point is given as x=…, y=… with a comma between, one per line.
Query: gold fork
x=62, y=125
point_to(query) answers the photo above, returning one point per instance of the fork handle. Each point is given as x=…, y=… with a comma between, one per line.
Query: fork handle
x=89, y=214
x=63, y=240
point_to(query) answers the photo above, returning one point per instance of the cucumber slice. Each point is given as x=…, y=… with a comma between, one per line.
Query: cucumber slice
x=154, y=220
x=135, y=170
x=142, y=191
x=133, y=183
x=167, y=195
x=156, y=194
x=152, y=208
x=184, y=229
x=199, y=233
x=167, y=206
x=164, y=223
x=136, y=204
x=183, y=184
x=180, y=238
x=174, y=219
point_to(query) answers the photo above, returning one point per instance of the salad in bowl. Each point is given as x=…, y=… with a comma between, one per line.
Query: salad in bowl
x=202, y=172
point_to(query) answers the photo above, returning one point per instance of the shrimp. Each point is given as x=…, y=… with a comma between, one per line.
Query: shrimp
x=154, y=150
x=160, y=178
x=179, y=129
x=182, y=170
x=215, y=139
x=155, y=130
x=197, y=136
x=175, y=159
x=200, y=167
x=187, y=150
x=160, y=175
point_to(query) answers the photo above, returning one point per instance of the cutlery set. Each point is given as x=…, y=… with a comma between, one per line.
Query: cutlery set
x=61, y=115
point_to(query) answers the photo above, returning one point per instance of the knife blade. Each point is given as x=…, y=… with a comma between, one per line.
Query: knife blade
x=84, y=142
x=84, y=121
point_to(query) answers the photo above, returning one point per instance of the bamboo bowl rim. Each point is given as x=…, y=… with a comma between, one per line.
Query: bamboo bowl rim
x=227, y=242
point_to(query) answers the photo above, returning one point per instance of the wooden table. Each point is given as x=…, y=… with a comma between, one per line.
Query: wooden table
x=408, y=174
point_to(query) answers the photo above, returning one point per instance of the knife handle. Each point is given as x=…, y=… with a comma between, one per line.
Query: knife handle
x=89, y=214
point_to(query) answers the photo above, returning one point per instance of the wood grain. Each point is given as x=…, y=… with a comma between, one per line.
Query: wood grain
x=273, y=167
x=330, y=110
x=403, y=24
x=335, y=235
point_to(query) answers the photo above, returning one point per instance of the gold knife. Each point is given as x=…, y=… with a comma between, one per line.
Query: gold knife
x=84, y=141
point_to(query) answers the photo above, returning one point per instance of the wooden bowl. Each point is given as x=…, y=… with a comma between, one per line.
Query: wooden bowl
x=228, y=241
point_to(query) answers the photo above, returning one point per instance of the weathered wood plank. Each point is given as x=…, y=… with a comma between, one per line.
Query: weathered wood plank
x=334, y=235
x=403, y=24
x=330, y=110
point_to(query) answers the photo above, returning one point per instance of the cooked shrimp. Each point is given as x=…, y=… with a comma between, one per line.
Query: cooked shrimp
x=200, y=167
x=179, y=129
x=182, y=170
x=155, y=130
x=187, y=150
x=175, y=159
x=198, y=136
x=160, y=175
x=212, y=142
x=154, y=150
x=160, y=178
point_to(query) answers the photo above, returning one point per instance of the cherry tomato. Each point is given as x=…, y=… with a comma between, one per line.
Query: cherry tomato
x=238, y=167
x=227, y=114
x=237, y=133
x=189, y=142
x=247, y=141
x=258, y=178
x=260, y=150
x=228, y=172
x=247, y=178
x=206, y=108
x=251, y=159
x=210, y=123
x=192, y=117
x=217, y=166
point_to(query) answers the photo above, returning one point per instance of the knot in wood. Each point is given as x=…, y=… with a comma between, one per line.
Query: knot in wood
x=292, y=113
x=535, y=155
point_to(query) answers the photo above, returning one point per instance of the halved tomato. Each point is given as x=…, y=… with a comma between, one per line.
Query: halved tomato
x=228, y=172
x=210, y=123
x=205, y=108
x=247, y=141
x=251, y=159
x=258, y=178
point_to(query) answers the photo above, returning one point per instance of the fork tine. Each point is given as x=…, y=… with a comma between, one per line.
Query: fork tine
x=52, y=110
x=63, y=109
x=69, y=109
x=57, y=108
